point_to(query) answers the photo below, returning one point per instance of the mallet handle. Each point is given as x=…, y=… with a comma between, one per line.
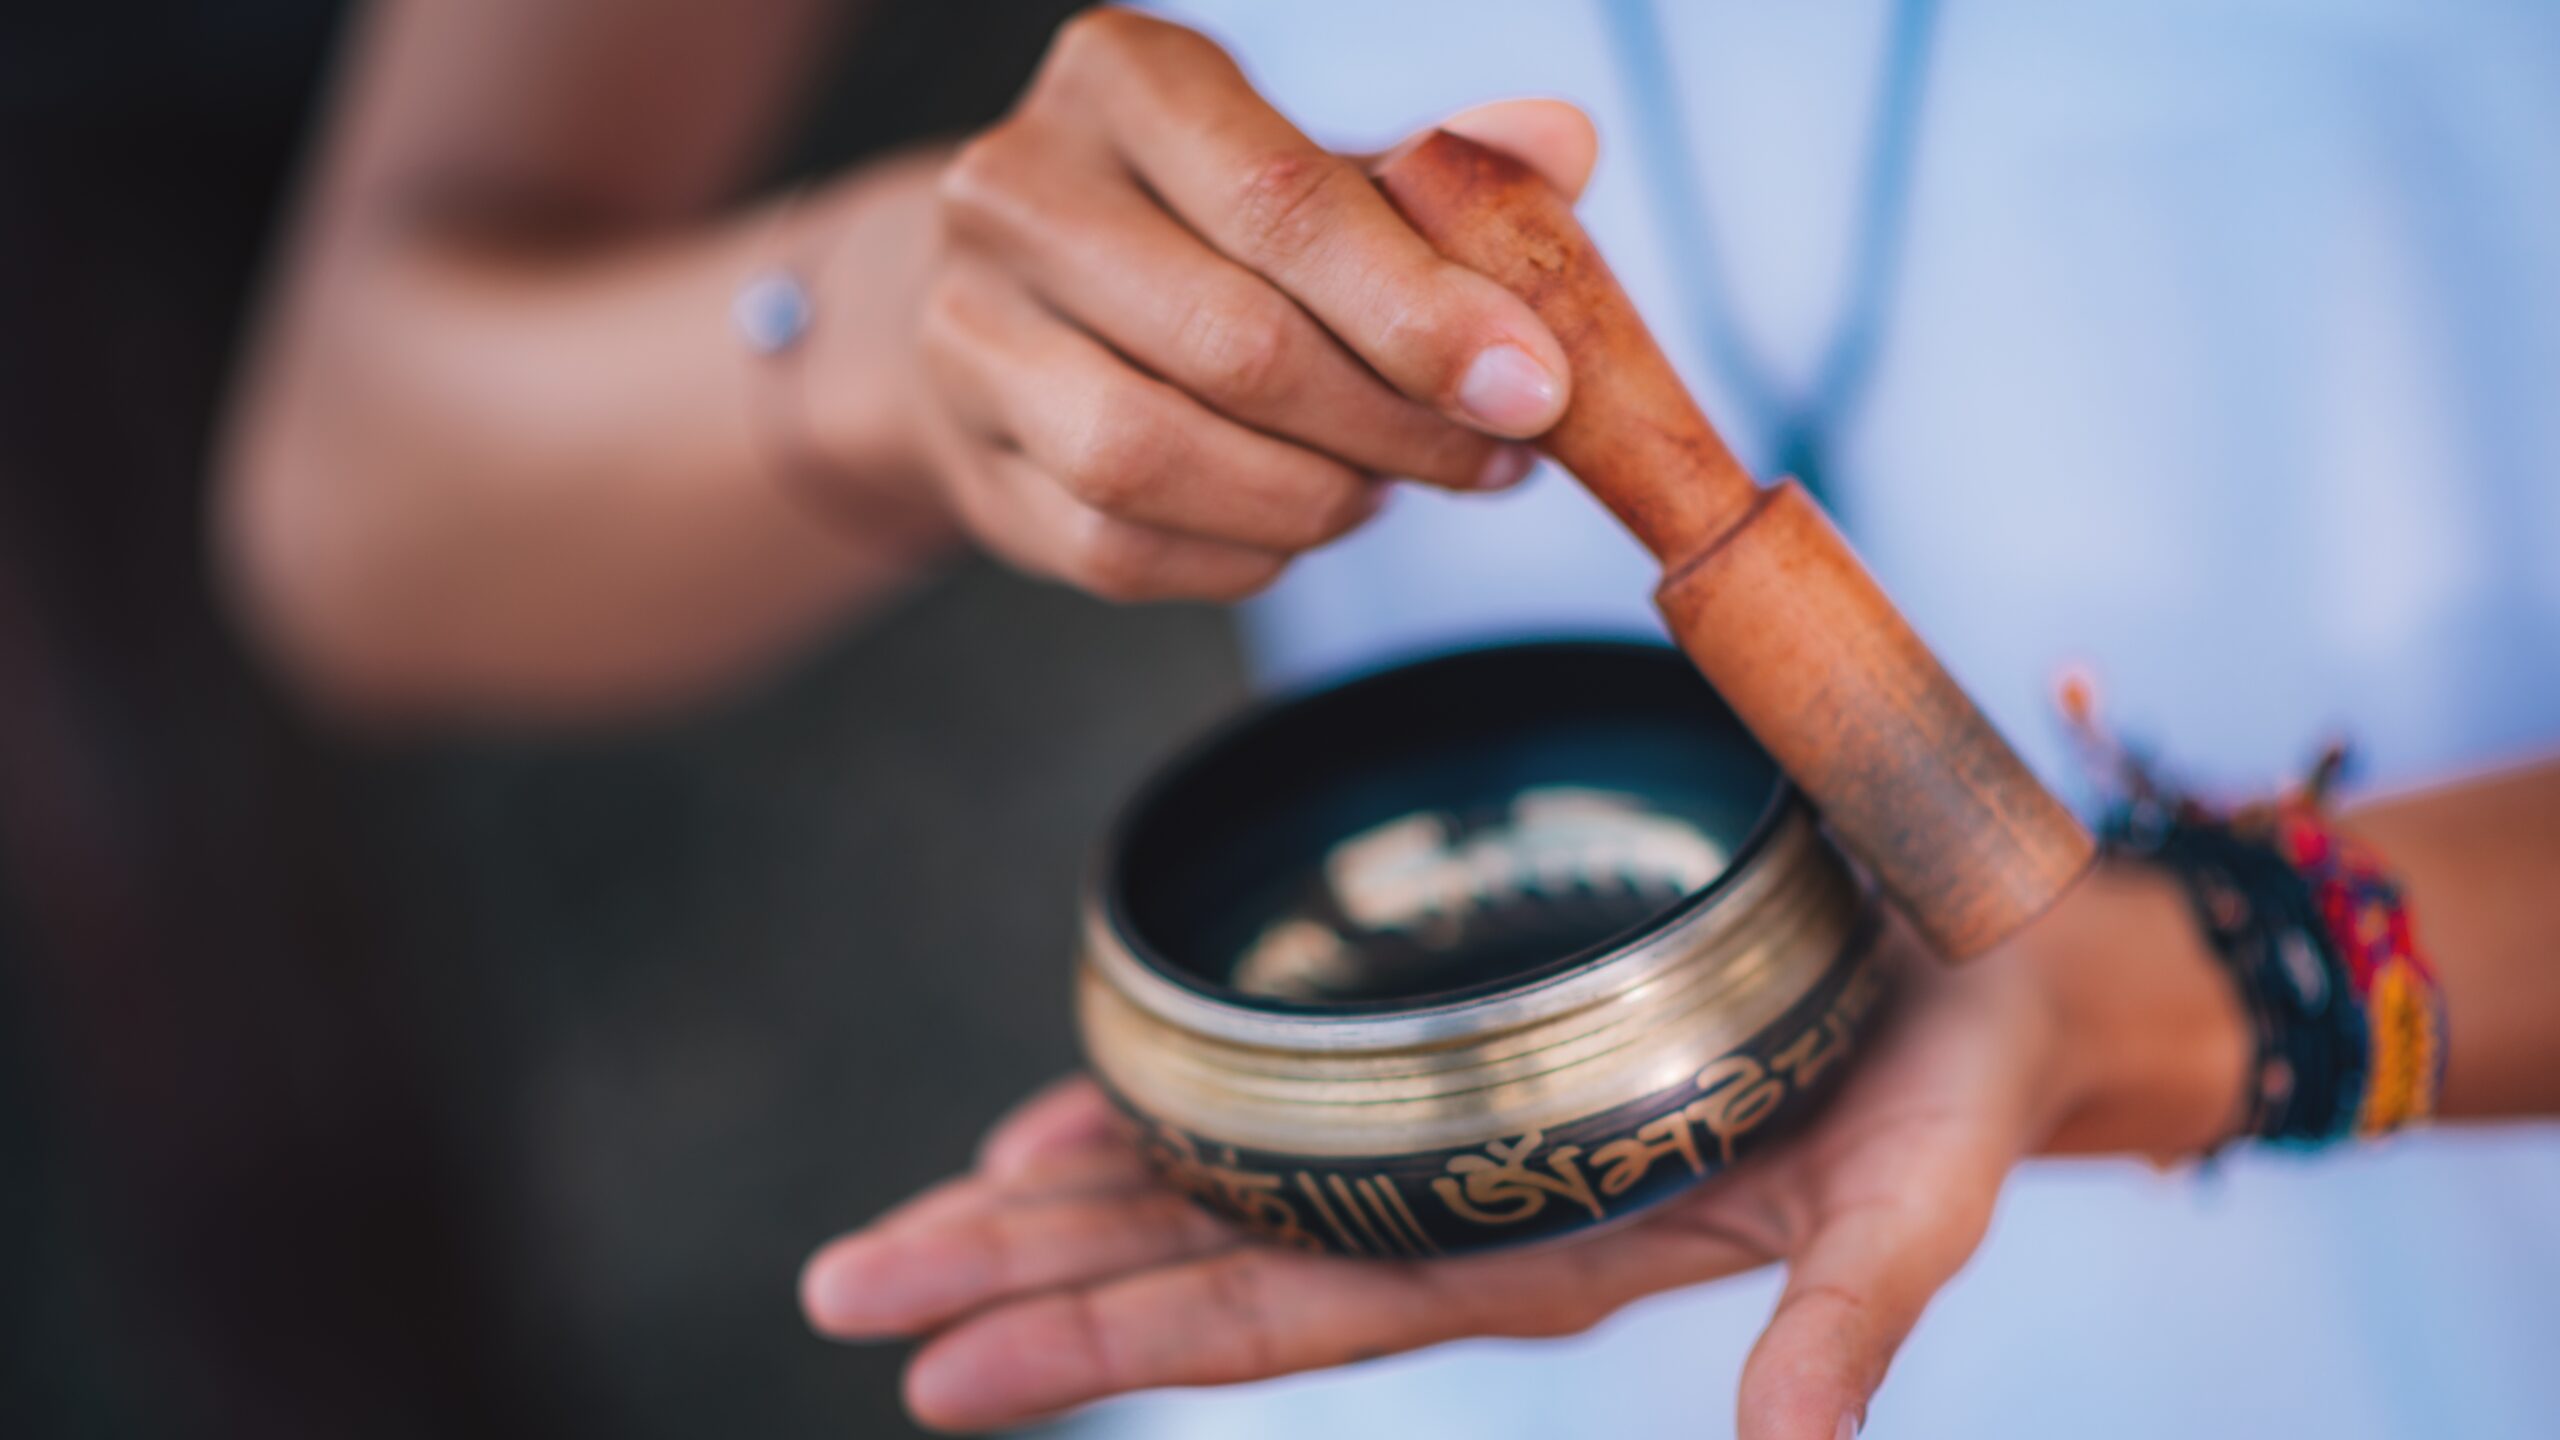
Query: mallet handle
x=1764, y=595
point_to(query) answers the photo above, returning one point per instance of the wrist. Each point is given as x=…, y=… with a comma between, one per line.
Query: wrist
x=869, y=240
x=2155, y=1048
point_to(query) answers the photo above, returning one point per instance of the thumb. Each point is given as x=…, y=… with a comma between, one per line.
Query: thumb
x=1552, y=137
x=1853, y=1293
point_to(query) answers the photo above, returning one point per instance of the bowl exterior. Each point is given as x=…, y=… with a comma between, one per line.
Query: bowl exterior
x=1511, y=1118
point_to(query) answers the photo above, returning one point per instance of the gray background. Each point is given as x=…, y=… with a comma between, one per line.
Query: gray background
x=702, y=997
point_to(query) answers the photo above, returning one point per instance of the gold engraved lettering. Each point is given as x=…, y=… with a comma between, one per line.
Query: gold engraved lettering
x=1393, y=1199
x=1630, y=1158
x=1809, y=1054
x=1250, y=1198
x=1387, y=1224
x=1359, y=1214
x=1736, y=1096
x=1324, y=1211
x=1504, y=1190
x=1513, y=1180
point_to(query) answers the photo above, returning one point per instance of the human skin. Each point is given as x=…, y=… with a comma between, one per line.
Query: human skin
x=496, y=452
x=1058, y=1271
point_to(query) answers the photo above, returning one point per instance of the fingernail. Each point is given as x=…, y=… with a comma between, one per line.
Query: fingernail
x=1507, y=466
x=1848, y=1428
x=1509, y=392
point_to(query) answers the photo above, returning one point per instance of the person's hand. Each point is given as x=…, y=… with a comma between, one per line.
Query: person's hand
x=1058, y=1272
x=1167, y=342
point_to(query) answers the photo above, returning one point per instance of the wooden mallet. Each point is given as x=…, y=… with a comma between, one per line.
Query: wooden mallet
x=1764, y=595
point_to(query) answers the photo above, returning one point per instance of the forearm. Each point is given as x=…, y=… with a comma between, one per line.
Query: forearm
x=2157, y=1050
x=470, y=477
x=2479, y=864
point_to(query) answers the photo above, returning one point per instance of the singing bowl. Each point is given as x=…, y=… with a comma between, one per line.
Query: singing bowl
x=1486, y=949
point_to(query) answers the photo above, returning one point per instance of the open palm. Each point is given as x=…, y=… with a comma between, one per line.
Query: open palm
x=1059, y=1271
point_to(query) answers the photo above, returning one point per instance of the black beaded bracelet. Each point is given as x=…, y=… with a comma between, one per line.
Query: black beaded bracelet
x=2345, y=1015
x=2307, y=1025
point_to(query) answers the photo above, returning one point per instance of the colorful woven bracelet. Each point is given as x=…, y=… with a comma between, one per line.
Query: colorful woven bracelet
x=2368, y=927
x=2345, y=1015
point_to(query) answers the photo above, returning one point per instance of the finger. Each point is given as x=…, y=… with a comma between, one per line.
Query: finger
x=1102, y=1168
x=1266, y=196
x=1068, y=1114
x=1024, y=514
x=1055, y=1151
x=1856, y=1290
x=1110, y=259
x=1121, y=443
x=1553, y=137
x=1258, y=1311
x=911, y=1278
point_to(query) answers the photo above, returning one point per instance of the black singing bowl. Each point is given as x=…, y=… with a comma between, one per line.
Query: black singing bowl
x=1486, y=949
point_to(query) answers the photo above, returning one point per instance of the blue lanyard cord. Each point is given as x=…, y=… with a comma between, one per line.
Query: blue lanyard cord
x=1804, y=427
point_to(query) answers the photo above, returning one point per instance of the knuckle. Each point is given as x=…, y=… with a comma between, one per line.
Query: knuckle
x=1098, y=34
x=981, y=191
x=1331, y=507
x=1117, y=561
x=1246, y=579
x=1237, y=1288
x=1436, y=327
x=948, y=330
x=1848, y=1310
x=1347, y=505
x=1110, y=45
x=947, y=312
x=1118, y=39
x=1097, y=1340
x=1242, y=349
x=982, y=512
x=994, y=1236
x=1286, y=203
x=1110, y=462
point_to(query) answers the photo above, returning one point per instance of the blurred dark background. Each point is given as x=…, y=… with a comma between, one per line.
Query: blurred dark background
x=492, y=1085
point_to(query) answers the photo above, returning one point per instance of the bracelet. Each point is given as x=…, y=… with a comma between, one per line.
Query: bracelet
x=771, y=313
x=2346, y=1019
x=2367, y=921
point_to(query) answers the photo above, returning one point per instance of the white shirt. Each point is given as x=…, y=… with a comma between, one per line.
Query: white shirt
x=2226, y=361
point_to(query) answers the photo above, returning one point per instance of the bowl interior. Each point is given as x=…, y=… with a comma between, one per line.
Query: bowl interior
x=1441, y=829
